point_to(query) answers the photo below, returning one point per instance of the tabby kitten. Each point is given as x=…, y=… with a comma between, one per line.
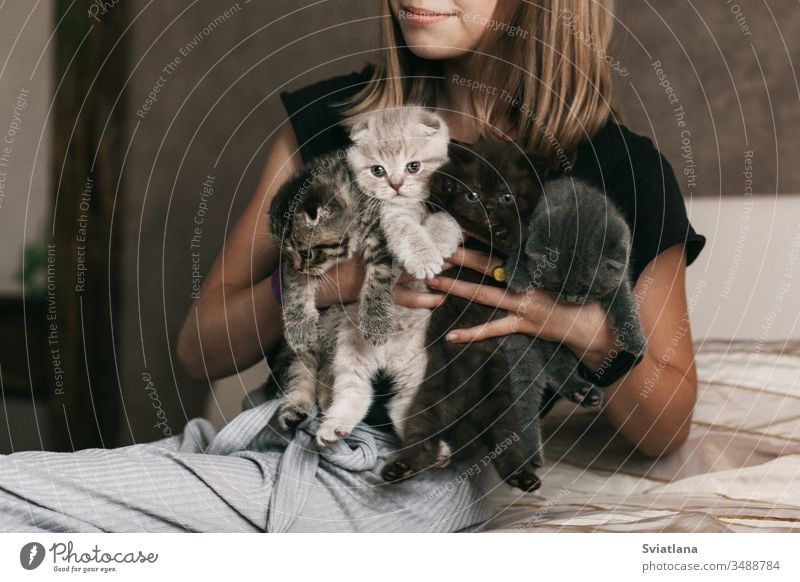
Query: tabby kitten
x=319, y=218
x=465, y=403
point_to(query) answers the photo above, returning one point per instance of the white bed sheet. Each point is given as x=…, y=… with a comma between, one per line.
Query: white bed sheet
x=738, y=471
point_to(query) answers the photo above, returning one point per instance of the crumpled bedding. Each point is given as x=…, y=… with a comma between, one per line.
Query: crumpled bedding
x=739, y=471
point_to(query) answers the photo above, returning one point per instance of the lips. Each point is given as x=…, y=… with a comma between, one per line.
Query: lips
x=416, y=15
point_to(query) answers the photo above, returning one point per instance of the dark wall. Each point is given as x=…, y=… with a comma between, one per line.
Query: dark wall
x=214, y=115
x=217, y=109
x=731, y=67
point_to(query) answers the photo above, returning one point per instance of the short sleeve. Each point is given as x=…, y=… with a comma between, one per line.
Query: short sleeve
x=641, y=184
x=660, y=219
x=315, y=112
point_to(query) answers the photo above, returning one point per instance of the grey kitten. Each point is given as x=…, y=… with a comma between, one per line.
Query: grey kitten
x=577, y=248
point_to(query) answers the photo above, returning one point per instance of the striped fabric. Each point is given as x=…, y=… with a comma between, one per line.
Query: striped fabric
x=248, y=477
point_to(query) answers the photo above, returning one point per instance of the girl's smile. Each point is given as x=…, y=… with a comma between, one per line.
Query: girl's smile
x=421, y=16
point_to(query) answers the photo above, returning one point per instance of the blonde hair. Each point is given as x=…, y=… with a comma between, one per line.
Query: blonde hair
x=549, y=55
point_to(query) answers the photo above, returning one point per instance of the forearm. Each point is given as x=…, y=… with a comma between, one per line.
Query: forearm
x=228, y=329
x=652, y=405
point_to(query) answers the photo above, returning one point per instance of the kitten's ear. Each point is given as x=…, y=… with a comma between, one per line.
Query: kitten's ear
x=535, y=161
x=458, y=153
x=612, y=268
x=359, y=129
x=313, y=214
x=431, y=123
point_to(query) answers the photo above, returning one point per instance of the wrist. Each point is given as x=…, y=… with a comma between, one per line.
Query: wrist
x=590, y=334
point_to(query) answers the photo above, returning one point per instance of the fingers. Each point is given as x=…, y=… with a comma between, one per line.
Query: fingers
x=484, y=294
x=416, y=299
x=475, y=260
x=405, y=277
x=494, y=328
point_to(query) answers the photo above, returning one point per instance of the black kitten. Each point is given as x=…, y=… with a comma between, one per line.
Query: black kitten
x=465, y=404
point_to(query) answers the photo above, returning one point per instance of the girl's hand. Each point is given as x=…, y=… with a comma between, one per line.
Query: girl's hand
x=583, y=328
x=341, y=283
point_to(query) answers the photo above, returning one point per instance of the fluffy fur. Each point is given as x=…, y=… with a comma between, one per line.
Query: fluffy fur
x=578, y=249
x=394, y=154
x=318, y=218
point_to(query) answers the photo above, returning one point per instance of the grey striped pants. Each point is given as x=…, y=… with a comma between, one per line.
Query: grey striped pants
x=248, y=477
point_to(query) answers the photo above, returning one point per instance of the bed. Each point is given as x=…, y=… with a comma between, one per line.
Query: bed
x=739, y=471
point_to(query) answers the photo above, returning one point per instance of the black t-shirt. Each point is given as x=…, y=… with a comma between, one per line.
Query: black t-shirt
x=627, y=167
x=635, y=176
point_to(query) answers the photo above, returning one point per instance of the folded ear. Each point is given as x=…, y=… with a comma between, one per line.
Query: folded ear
x=536, y=162
x=432, y=124
x=359, y=129
x=459, y=152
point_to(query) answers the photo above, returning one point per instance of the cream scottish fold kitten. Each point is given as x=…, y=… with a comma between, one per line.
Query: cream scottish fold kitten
x=393, y=156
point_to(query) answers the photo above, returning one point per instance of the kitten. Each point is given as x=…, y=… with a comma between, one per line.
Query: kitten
x=465, y=403
x=393, y=156
x=318, y=218
x=578, y=249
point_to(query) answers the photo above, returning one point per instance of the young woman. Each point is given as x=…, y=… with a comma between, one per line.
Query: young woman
x=471, y=59
x=534, y=73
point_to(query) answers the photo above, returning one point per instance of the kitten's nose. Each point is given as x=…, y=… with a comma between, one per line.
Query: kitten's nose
x=396, y=183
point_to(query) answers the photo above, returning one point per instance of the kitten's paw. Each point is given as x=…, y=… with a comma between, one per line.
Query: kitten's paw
x=537, y=460
x=445, y=232
x=587, y=396
x=291, y=414
x=634, y=343
x=396, y=471
x=425, y=263
x=301, y=333
x=376, y=321
x=332, y=431
x=443, y=455
x=524, y=479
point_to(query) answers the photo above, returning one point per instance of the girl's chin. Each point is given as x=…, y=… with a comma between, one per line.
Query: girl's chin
x=435, y=53
x=427, y=45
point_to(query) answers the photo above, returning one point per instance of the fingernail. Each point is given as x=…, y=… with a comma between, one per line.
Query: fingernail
x=432, y=281
x=452, y=336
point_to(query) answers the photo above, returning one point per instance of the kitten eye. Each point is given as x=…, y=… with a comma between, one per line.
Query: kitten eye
x=378, y=171
x=472, y=196
x=506, y=197
x=413, y=167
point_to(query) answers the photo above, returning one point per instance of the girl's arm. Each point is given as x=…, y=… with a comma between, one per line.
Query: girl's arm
x=652, y=405
x=236, y=318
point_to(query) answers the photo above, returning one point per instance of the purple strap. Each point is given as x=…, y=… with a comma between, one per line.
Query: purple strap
x=277, y=285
